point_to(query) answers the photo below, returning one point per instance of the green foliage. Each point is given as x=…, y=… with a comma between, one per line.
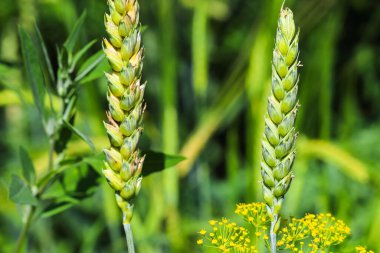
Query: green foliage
x=218, y=131
x=20, y=192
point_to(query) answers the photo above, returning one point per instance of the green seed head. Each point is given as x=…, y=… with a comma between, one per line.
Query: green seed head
x=279, y=138
x=125, y=98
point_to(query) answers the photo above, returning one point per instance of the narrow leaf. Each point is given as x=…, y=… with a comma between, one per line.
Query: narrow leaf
x=80, y=53
x=89, y=65
x=28, y=170
x=97, y=72
x=33, y=70
x=73, y=37
x=20, y=193
x=80, y=135
x=156, y=161
x=45, y=54
x=56, y=209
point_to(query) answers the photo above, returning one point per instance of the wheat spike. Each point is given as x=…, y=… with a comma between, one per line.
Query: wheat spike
x=123, y=164
x=278, y=144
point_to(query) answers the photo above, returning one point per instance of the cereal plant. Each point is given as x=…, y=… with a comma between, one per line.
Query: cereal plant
x=198, y=125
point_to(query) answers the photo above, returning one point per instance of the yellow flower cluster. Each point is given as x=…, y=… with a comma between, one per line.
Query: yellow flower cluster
x=312, y=233
x=361, y=249
x=256, y=215
x=226, y=236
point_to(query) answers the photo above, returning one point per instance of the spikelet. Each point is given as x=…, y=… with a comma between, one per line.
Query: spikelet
x=278, y=144
x=124, y=52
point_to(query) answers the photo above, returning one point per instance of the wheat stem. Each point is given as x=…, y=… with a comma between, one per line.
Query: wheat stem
x=129, y=237
x=273, y=236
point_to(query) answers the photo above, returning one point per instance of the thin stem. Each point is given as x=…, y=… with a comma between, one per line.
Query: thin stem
x=31, y=209
x=273, y=238
x=24, y=231
x=129, y=237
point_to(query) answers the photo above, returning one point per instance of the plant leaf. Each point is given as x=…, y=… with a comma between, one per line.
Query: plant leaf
x=20, y=193
x=56, y=208
x=156, y=161
x=81, y=52
x=89, y=65
x=45, y=54
x=28, y=170
x=33, y=70
x=80, y=135
x=74, y=34
x=97, y=72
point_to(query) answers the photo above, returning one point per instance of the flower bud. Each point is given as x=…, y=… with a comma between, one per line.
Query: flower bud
x=271, y=132
x=268, y=195
x=289, y=101
x=286, y=144
x=269, y=154
x=113, y=158
x=113, y=56
x=128, y=47
x=120, y=6
x=129, y=125
x=288, y=122
x=114, y=108
x=115, y=16
x=277, y=88
x=286, y=24
x=127, y=75
x=114, y=135
x=125, y=27
x=127, y=170
x=282, y=44
x=274, y=111
x=130, y=144
x=268, y=179
x=291, y=78
x=114, y=84
x=279, y=64
x=129, y=190
x=113, y=33
x=113, y=179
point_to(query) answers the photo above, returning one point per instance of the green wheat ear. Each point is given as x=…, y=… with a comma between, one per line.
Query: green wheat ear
x=278, y=144
x=123, y=49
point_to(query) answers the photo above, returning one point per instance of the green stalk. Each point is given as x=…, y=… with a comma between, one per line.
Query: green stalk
x=199, y=49
x=31, y=209
x=25, y=229
x=129, y=237
x=169, y=114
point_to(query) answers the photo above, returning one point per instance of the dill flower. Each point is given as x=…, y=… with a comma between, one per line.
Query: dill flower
x=362, y=249
x=313, y=232
x=256, y=215
x=226, y=236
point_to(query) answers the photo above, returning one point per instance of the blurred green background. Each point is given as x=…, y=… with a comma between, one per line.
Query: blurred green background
x=207, y=63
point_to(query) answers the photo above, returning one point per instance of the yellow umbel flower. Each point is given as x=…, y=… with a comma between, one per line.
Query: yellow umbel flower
x=361, y=249
x=226, y=236
x=314, y=232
